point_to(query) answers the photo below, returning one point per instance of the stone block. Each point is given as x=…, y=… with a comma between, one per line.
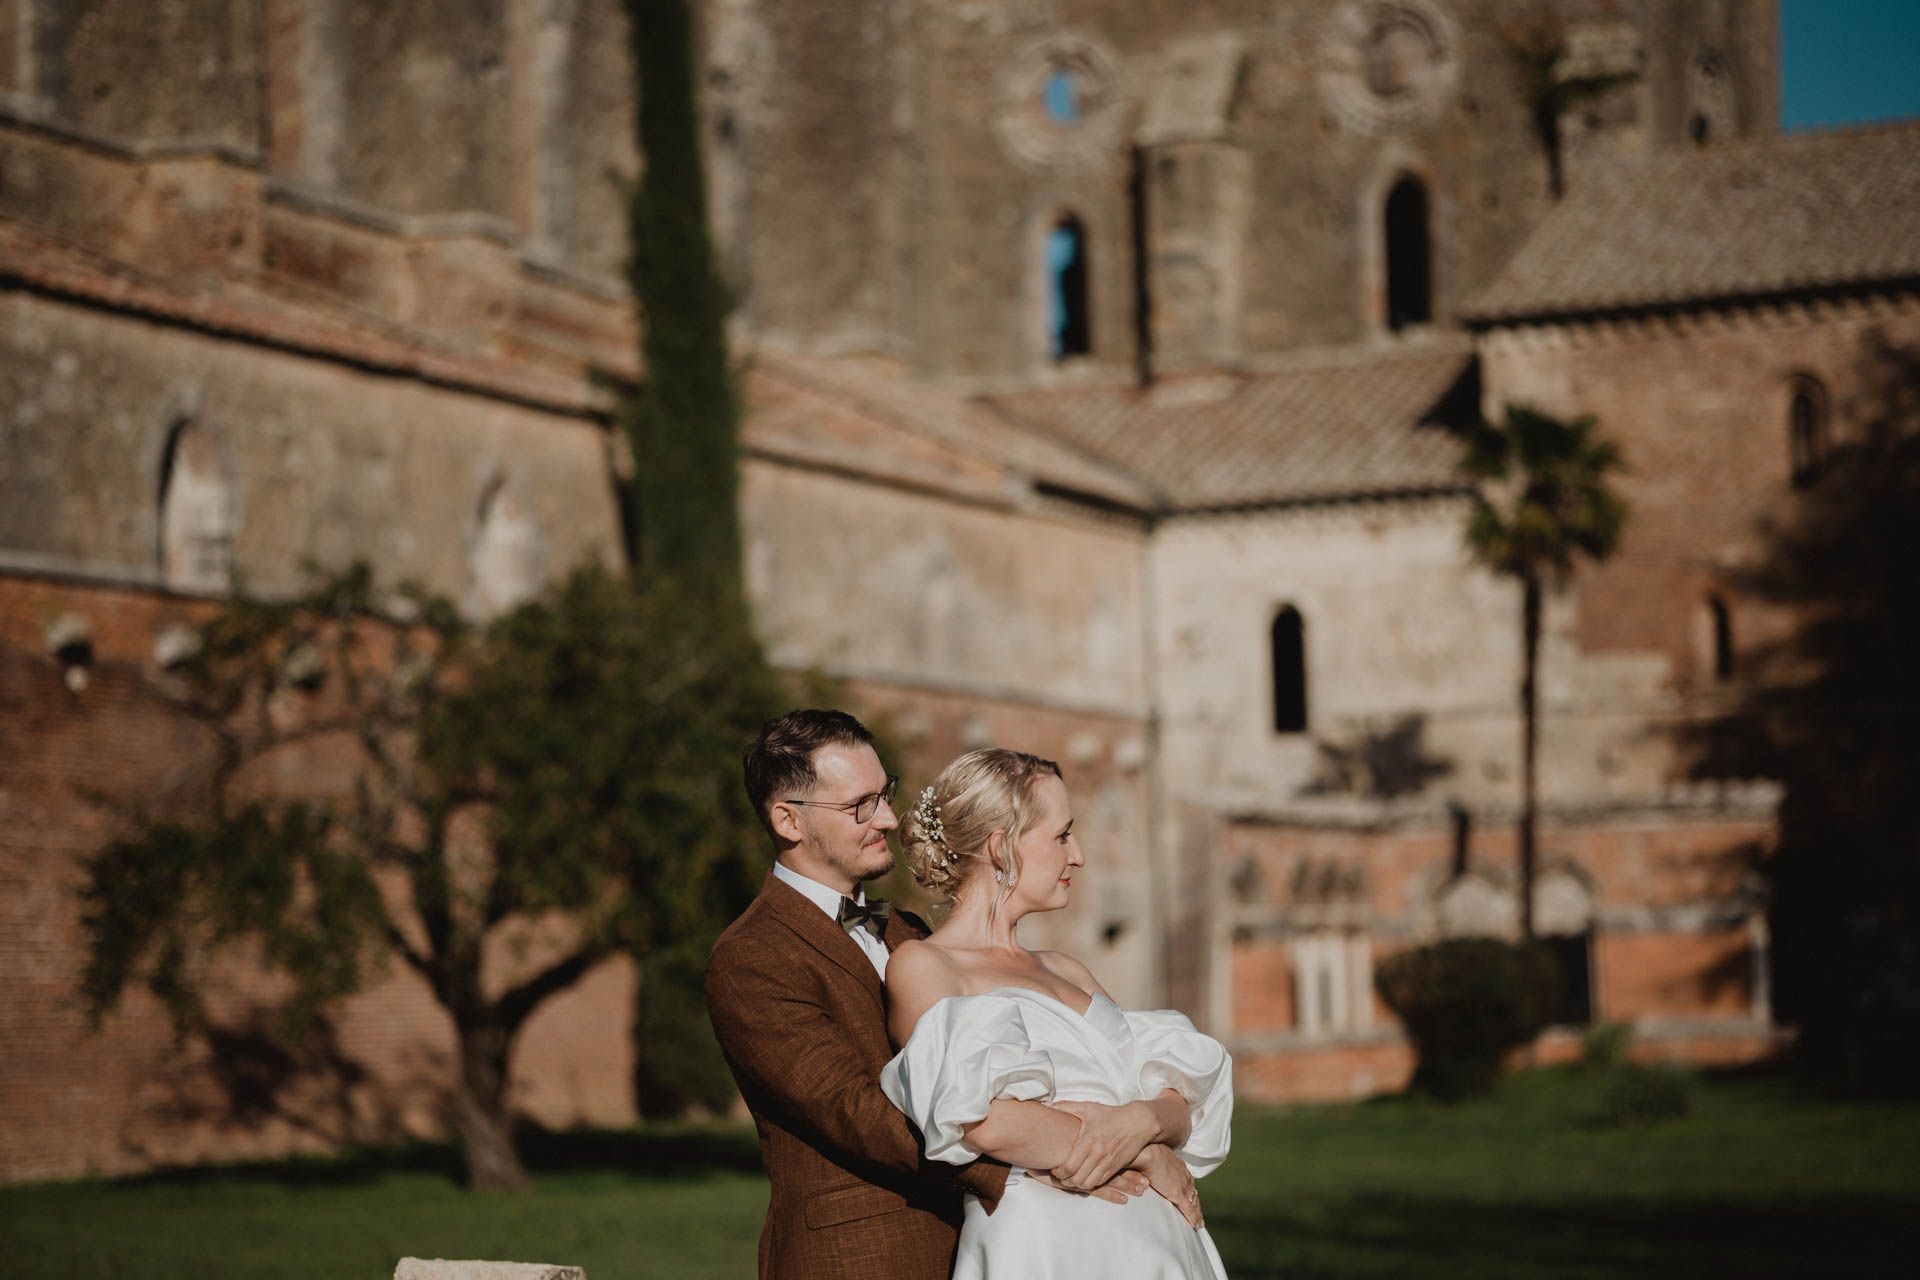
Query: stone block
x=446, y=1269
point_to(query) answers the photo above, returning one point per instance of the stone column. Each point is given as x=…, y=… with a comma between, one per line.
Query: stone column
x=539, y=48
x=1760, y=949
x=305, y=90
x=18, y=78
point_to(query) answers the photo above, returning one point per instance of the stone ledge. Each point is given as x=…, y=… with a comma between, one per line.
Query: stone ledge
x=443, y=1269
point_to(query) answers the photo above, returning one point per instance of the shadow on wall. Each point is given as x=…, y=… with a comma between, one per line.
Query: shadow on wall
x=1378, y=763
x=1830, y=711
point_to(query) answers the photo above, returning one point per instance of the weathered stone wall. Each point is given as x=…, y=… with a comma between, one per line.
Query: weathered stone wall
x=885, y=583
x=95, y=66
x=321, y=461
x=404, y=143
x=811, y=117
x=1700, y=405
x=1412, y=662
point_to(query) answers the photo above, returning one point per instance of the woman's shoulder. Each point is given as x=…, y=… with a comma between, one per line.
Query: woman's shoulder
x=919, y=975
x=920, y=959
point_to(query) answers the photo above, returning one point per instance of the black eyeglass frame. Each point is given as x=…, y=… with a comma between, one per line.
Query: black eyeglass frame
x=870, y=802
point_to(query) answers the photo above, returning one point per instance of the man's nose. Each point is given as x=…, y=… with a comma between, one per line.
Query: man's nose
x=884, y=818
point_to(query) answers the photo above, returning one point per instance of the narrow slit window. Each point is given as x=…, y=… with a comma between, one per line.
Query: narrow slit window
x=1070, y=326
x=1807, y=431
x=1409, y=255
x=1720, y=627
x=1289, y=644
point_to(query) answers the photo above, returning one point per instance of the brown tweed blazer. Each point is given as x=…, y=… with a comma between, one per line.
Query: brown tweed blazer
x=801, y=1016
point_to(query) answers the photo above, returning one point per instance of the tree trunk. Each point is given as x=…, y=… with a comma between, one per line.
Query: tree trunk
x=1529, y=745
x=482, y=1117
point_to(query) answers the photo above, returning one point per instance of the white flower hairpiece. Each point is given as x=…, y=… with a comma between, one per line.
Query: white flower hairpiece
x=927, y=814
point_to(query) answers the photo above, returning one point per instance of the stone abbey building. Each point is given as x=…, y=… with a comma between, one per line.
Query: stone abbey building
x=1101, y=359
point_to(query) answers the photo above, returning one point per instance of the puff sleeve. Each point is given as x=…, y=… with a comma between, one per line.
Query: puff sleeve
x=963, y=1054
x=1173, y=1054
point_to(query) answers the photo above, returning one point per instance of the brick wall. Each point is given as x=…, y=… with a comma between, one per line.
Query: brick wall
x=1699, y=404
x=1670, y=904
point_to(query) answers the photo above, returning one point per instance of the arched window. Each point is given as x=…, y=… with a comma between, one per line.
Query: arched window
x=1289, y=672
x=1070, y=325
x=195, y=551
x=1807, y=430
x=1563, y=919
x=1409, y=255
x=503, y=560
x=1720, y=633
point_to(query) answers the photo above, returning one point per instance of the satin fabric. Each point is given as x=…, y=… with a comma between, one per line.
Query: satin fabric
x=1024, y=1044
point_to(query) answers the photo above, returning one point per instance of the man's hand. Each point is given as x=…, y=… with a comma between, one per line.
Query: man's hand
x=1126, y=1184
x=1110, y=1139
x=1172, y=1179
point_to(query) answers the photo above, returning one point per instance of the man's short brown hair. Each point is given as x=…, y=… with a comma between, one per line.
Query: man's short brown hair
x=779, y=762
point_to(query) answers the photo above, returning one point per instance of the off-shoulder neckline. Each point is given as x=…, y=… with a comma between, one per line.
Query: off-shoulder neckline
x=1083, y=1014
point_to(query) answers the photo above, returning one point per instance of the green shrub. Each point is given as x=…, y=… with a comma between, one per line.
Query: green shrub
x=1642, y=1095
x=1467, y=1003
x=1605, y=1046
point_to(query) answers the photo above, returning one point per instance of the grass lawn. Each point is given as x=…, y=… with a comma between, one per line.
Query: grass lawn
x=1757, y=1181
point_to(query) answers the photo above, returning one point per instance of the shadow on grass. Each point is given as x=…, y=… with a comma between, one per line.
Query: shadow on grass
x=1444, y=1238
x=660, y=1152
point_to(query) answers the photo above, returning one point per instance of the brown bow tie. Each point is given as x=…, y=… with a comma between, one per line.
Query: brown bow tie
x=872, y=916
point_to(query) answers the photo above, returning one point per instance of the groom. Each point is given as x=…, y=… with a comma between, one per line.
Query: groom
x=794, y=991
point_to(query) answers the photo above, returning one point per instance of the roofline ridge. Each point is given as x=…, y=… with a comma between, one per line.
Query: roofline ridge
x=804, y=372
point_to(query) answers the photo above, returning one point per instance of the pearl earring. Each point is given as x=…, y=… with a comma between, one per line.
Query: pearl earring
x=999, y=877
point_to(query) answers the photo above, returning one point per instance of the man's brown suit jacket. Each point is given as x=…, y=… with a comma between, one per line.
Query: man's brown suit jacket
x=801, y=1017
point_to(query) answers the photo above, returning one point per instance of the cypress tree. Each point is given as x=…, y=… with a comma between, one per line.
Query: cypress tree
x=684, y=425
x=684, y=422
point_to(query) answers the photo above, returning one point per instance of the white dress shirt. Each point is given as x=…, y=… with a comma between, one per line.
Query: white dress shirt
x=828, y=900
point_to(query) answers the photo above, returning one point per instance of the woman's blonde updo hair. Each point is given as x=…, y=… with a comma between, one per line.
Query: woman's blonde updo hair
x=945, y=833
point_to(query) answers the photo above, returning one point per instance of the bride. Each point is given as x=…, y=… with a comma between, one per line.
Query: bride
x=1020, y=1055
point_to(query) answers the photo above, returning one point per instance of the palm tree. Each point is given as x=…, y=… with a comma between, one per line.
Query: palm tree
x=1541, y=502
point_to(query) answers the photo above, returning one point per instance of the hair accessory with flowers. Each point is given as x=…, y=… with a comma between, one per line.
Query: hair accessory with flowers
x=927, y=814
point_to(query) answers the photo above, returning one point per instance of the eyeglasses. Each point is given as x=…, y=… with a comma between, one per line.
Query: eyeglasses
x=862, y=809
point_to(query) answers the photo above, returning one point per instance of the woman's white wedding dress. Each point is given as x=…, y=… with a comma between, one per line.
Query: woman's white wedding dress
x=1019, y=1043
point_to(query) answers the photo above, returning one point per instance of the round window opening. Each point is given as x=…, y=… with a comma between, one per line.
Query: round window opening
x=1061, y=95
x=1399, y=56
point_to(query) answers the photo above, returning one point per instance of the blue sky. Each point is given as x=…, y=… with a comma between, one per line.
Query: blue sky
x=1848, y=61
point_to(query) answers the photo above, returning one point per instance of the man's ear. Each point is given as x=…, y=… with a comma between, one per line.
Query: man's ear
x=785, y=821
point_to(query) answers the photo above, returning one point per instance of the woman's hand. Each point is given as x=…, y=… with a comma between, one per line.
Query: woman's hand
x=1110, y=1139
x=1126, y=1184
x=1169, y=1175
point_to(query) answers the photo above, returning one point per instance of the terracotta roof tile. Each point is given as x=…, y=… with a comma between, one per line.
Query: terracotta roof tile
x=1345, y=423
x=1747, y=219
x=943, y=438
